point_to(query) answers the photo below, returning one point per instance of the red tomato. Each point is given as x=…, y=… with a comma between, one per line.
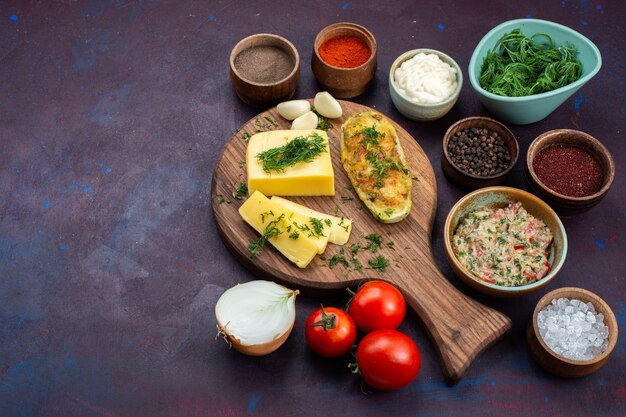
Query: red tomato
x=330, y=332
x=388, y=359
x=377, y=305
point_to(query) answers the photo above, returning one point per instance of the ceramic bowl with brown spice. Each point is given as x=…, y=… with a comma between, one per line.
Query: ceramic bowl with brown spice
x=567, y=205
x=269, y=78
x=470, y=180
x=557, y=364
x=338, y=81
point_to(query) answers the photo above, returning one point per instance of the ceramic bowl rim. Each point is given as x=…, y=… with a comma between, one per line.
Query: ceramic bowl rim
x=473, y=76
x=285, y=41
x=498, y=288
x=608, y=182
x=551, y=296
x=446, y=58
x=446, y=139
x=347, y=25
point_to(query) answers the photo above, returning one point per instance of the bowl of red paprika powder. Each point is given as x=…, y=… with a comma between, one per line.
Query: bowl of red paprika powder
x=344, y=59
x=569, y=169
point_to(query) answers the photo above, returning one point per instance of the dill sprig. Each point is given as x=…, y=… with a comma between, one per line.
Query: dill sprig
x=375, y=242
x=380, y=262
x=241, y=191
x=522, y=66
x=254, y=248
x=322, y=123
x=338, y=259
x=300, y=149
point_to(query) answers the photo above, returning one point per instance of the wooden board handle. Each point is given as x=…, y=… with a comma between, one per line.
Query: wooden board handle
x=459, y=327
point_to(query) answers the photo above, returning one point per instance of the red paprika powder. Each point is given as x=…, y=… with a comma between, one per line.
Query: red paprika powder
x=568, y=170
x=345, y=51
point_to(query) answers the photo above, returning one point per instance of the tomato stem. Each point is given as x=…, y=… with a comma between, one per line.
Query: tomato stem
x=327, y=322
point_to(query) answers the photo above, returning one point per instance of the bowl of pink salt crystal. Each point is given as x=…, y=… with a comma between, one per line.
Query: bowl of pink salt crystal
x=572, y=332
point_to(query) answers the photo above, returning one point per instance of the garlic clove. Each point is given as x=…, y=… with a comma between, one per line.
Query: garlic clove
x=293, y=109
x=327, y=106
x=256, y=317
x=307, y=121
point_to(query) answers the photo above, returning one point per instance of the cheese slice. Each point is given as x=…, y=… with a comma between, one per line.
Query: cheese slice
x=260, y=213
x=340, y=226
x=315, y=177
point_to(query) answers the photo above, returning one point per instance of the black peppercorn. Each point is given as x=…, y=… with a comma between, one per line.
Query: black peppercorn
x=479, y=152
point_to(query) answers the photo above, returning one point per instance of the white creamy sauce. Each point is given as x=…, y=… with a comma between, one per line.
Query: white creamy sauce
x=426, y=79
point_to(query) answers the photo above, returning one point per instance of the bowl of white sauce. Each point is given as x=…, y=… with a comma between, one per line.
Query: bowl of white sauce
x=424, y=84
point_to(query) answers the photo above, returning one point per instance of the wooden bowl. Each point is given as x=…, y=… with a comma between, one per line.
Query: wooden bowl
x=423, y=112
x=496, y=197
x=344, y=82
x=259, y=94
x=472, y=181
x=565, y=205
x=557, y=364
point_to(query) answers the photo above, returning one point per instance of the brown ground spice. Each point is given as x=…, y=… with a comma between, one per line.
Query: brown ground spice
x=264, y=64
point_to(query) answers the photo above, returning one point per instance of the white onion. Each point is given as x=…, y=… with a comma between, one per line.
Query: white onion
x=307, y=121
x=293, y=109
x=256, y=317
x=327, y=106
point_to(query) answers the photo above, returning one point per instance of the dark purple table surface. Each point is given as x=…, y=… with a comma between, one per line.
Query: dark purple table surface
x=112, y=117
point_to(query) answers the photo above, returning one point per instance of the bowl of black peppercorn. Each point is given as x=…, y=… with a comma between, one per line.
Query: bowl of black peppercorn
x=478, y=152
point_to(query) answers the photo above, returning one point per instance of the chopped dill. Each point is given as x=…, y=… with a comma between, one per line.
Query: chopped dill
x=355, y=264
x=271, y=121
x=300, y=149
x=254, y=248
x=347, y=198
x=241, y=191
x=375, y=242
x=390, y=245
x=338, y=259
x=222, y=200
x=322, y=122
x=354, y=248
x=380, y=262
x=245, y=136
x=318, y=226
x=328, y=222
x=266, y=213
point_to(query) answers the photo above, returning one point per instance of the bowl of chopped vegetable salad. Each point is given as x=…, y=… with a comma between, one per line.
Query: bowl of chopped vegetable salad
x=504, y=241
x=524, y=69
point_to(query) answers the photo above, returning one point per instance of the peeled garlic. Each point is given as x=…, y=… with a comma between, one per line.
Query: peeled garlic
x=293, y=109
x=256, y=317
x=327, y=106
x=305, y=122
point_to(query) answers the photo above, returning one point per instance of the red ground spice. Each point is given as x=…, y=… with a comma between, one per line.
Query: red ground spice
x=568, y=170
x=345, y=51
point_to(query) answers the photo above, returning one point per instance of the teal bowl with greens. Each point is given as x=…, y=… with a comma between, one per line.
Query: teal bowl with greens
x=532, y=108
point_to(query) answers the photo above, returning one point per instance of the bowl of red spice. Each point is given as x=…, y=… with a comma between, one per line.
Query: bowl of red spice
x=571, y=170
x=344, y=59
x=264, y=69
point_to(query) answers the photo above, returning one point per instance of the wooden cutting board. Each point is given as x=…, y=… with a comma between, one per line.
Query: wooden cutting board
x=459, y=327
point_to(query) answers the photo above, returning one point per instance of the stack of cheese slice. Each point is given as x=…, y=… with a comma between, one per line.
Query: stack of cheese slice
x=296, y=237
